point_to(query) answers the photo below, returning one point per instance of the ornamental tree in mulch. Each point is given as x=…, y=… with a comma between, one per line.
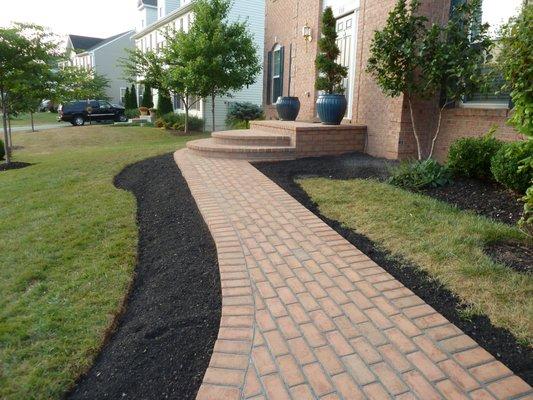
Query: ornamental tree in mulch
x=418, y=60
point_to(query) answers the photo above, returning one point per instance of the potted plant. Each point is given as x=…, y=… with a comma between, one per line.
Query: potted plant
x=331, y=104
x=143, y=110
x=288, y=107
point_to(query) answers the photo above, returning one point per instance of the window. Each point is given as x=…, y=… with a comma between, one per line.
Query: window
x=176, y=101
x=275, y=74
x=122, y=96
x=495, y=13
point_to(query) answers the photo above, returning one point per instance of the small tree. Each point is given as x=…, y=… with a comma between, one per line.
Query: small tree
x=75, y=83
x=220, y=57
x=27, y=54
x=133, y=97
x=410, y=58
x=515, y=61
x=148, y=99
x=331, y=74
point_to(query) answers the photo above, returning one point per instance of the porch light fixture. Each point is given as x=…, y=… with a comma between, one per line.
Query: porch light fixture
x=307, y=33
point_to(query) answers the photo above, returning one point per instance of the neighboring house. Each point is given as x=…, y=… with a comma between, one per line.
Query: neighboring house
x=291, y=33
x=178, y=14
x=102, y=56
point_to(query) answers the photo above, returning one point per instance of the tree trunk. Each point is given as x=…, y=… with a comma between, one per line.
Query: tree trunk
x=32, y=122
x=186, y=103
x=415, y=133
x=437, y=131
x=4, y=120
x=213, y=110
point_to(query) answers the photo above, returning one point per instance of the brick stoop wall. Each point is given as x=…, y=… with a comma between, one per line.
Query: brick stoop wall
x=281, y=140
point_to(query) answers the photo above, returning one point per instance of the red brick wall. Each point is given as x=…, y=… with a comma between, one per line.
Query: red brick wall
x=389, y=129
x=471, y=122
x=284, y=22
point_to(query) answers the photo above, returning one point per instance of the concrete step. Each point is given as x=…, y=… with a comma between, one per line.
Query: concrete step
x=247, y=137
x=210, y=148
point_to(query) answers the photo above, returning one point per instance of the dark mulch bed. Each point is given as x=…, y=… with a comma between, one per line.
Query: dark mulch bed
x=517, y=256
x=164, y=339
x=485, y=198
x=13, y=165
x=500, y=342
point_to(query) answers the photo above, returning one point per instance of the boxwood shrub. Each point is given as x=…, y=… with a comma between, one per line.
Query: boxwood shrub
x=471, y=157
x=512, y=165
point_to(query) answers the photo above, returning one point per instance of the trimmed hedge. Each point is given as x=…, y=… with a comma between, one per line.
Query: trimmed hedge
x=2, y=150
x=510, y=167
x=471, y=157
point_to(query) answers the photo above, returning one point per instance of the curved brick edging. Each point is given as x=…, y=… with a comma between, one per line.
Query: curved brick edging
x=326, y=321
x=225, y=376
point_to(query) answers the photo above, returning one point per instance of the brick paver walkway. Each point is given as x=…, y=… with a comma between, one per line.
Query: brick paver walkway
x=306, y=315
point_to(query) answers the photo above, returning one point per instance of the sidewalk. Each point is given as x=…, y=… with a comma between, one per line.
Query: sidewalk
x=306, y=315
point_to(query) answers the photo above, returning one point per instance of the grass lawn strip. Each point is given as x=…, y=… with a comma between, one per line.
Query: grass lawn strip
x=445, y=242
x=68, y=242
x=39, y=118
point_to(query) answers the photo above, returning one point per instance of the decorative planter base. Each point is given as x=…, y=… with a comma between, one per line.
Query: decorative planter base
x=331, y=108
x=288, y=108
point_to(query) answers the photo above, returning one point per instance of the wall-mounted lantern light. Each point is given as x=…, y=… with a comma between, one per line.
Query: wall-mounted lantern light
x=307, y=33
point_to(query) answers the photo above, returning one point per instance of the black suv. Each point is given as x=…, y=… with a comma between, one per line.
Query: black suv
x=80, y=111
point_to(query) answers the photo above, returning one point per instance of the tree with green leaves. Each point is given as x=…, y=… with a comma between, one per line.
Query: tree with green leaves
x=27, y=53
x=331, y=73
x=218, y=57
x=133, y=97
x=148, y=99
x=74, y=83
x=515, y=61
x=412, y=58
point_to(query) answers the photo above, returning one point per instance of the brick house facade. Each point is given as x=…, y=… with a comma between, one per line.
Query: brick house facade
x=389, y=132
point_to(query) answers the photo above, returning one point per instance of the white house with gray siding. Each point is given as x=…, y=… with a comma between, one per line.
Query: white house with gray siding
x=178, y=14
x=102, y=56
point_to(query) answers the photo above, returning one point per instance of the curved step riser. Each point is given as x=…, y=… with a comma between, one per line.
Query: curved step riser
x=254, y=157
x=274, y=141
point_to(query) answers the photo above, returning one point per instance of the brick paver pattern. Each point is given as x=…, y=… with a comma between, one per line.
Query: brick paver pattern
x=306, y=315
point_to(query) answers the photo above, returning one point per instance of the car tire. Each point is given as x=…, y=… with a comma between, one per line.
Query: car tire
x=78, y=120
x=122, y=118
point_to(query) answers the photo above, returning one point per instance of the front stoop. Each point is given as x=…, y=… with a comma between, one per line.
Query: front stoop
x=281, y=140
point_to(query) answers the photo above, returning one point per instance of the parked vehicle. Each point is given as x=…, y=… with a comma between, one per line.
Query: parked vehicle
x=47, y=105
x=80, y=111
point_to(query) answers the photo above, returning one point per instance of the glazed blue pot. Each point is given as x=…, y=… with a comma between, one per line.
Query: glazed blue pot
x=288, y=108
x=331, y=108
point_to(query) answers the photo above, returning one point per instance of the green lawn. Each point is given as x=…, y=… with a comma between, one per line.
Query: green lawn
x=40, y=118
x=68, y=244
x=444, y=241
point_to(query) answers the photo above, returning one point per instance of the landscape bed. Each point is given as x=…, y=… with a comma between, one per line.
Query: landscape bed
x=509, y=344
x=164, y=340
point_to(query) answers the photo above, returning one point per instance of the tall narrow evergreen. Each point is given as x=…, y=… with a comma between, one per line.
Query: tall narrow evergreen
x=331, y=74
x=148, y=99
x=127, y=99
x=133, y=97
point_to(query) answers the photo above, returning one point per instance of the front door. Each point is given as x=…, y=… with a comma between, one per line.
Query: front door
x=346, y=40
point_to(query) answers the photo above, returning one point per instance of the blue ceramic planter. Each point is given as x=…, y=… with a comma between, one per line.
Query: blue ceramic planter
x=331, y=108
x=288, y=108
